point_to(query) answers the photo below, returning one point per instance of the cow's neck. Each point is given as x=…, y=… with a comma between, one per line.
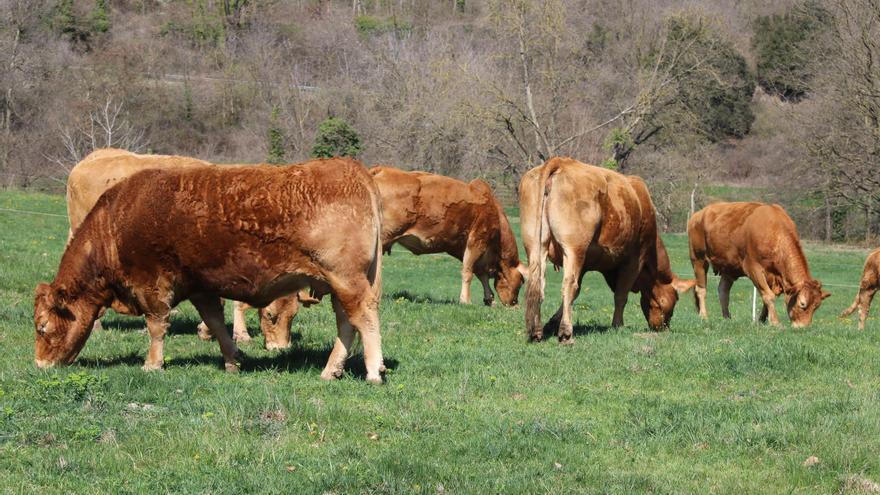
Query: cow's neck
x=794, y=263
x=509, y=250
x=82, y=272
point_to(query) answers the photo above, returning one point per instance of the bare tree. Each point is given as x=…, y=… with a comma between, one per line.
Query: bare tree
x=106, y=127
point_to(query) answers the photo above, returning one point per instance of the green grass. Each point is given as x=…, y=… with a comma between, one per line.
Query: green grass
x=469, y=406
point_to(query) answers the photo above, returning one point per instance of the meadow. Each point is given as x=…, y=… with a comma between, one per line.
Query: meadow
x=469, y=406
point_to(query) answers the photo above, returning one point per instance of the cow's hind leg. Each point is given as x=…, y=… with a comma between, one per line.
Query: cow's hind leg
x=865, y=298
x=239, y=323
x=572, y=264
x=211, y=310
x=724, y=286
x=356, y=310
x=157, y=326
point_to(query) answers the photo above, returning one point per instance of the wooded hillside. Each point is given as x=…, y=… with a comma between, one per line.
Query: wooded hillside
x=778, y=100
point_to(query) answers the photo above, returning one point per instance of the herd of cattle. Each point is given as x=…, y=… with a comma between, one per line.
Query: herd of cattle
x=150, y=231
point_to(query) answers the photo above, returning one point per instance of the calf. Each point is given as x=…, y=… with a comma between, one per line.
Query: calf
x=867, y=288
x=251, y=234
x=759, y=241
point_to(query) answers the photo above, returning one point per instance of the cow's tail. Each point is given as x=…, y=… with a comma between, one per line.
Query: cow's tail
x=374, y=274
x=538, y=256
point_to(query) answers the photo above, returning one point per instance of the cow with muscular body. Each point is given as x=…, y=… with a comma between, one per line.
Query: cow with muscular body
x=251, y=234
x=759, y=241
x=588, y=218
x=104, y=168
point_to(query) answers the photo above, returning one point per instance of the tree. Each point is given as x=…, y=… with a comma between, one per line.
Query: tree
x=842, y=125
x=785, y=49
x=276, y=140
x=336, y=138
x=101, y=17
x=693, y=84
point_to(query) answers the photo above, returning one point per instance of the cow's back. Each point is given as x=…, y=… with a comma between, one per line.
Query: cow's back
x=239, y=228
x=104, y=168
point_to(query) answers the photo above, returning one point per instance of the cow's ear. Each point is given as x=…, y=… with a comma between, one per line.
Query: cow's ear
x=825, y=294
x=522, y=270
x=682, y=286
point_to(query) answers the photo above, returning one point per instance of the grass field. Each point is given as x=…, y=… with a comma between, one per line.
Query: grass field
x=469, y=406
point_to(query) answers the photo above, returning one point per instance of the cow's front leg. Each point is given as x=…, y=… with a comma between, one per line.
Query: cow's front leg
x=626, y=277
x=759, y=278
x=724, y=295
x=239, y=323
x=157, y=327
x=700, y=268
x=210, y=308
x=488, y=295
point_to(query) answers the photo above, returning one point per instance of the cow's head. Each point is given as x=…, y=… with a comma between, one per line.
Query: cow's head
x=508, y=281
x=62, y=325
x=658, y=303
x=275, y=321
x=803, y=301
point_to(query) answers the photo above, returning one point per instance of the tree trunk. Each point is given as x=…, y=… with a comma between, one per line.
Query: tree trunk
x=828, y=223
x=867, y=224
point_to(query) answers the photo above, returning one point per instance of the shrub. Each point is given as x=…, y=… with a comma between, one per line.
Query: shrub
x=336, y=138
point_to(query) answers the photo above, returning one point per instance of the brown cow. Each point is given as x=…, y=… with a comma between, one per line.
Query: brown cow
x=251, y=234
x=759, y=241
x=867, y=288
x=427, y=213
x=588, y=218
x=101, y=170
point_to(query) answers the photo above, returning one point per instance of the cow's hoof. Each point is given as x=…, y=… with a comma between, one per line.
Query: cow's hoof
x=488, y=302
x=242, y=337
x=375, y=379
x=330, y=375
x=204, y=333
x=536, y=337
x=566, y=340
x=232, y=367
x=152, y=366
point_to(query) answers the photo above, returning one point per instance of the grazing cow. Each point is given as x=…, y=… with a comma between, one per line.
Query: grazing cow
x=101, y=170
x=867, y=288
x=427, y=213
x=251, y=234
x=759, y=241
x=588, y=218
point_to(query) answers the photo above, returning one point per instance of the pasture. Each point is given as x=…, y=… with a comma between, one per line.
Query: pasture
x=468, y=407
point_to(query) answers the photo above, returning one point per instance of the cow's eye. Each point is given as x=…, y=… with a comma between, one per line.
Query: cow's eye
x=42, y=329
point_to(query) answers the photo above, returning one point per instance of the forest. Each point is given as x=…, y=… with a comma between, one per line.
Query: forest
x=777, y=101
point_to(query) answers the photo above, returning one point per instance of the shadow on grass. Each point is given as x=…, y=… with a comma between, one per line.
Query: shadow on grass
x=551, y=329
x=417, y=298
x=292, y=360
